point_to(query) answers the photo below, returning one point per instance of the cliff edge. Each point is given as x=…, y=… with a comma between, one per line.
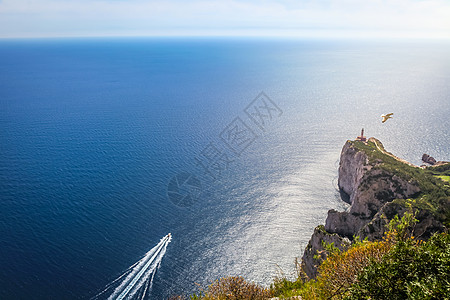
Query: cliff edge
x=380, y=186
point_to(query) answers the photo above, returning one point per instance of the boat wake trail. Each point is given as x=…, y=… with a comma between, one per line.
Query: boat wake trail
x=137, y=280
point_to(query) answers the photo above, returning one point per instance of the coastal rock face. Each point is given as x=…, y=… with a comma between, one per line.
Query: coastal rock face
x=369, y=188
x=344, y=223
x=315, y=248
x=376, y=189
x=352, y=167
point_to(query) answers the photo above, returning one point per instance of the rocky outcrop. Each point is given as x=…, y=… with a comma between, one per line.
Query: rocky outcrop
x=428, y=159
x=431, y=161
x=376, y=189
x=314, y=252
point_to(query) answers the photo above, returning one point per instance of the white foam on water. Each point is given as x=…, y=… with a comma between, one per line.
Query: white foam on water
x=139, y=275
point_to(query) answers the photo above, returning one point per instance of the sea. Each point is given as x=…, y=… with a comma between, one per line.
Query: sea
x=231, y=145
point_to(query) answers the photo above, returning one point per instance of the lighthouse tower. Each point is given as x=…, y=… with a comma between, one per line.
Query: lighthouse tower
x=361, y=138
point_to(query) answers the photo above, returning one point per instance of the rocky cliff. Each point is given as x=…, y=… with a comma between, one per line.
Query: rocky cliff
x=315, y=251
x=379, y=186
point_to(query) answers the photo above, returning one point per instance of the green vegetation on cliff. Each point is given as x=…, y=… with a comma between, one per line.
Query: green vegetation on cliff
x=435, y=190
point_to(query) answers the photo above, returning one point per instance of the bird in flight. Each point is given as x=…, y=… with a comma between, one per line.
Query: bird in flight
x=386, y=117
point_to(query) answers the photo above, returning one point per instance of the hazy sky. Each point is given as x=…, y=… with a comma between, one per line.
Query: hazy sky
x=372, y=18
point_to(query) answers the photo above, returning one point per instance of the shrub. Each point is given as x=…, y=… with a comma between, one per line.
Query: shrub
x=233, y=288
x=340, y=270
x=285, y=287
x=411, y=270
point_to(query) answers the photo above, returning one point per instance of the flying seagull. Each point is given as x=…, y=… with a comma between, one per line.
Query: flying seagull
x=386, y=117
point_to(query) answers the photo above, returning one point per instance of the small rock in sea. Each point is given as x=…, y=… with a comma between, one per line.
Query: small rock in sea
x=428, y=159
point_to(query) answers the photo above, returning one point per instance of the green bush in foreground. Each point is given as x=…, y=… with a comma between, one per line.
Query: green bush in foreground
x=411, y=270
x=233, y=288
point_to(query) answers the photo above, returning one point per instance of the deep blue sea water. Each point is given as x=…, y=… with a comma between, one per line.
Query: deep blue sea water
x=93, y=130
